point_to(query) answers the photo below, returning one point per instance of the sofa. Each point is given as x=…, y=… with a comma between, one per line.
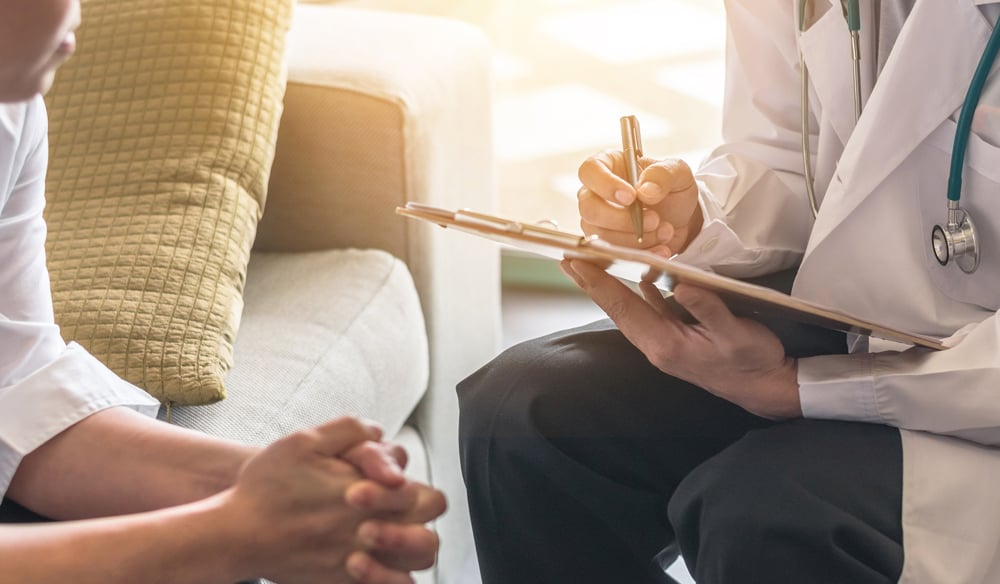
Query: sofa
x=350, y=308
x=221, y=230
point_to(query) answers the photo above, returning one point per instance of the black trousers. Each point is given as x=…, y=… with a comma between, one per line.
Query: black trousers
x=11, y=512
x=583, y=462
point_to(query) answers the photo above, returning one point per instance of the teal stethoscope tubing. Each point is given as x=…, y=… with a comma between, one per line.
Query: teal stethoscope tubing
x=964, y=128
x=958, y=240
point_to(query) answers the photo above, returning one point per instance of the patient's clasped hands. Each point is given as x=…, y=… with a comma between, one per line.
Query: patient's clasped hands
x=734, y=358
x=331, y=504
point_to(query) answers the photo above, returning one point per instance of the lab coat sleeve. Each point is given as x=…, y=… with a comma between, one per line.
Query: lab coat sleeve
x=757, y=217
x=45, y=385
x=951, y=392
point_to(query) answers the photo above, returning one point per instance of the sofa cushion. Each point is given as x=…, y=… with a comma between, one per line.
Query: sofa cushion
x=324, y=334
x=162, y=137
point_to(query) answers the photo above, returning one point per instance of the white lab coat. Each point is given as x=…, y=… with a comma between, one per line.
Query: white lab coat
x=883, y=186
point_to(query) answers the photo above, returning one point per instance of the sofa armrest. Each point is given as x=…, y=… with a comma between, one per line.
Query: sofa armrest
x=383, y=108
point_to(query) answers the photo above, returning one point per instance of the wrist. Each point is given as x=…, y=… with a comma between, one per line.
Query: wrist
x=695, y=225
x=241, y=551
x=788, y=403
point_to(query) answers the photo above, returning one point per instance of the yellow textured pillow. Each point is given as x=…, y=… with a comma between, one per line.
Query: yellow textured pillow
x=162, y=132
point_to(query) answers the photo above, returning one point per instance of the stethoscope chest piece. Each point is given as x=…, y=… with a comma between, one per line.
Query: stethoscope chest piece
x=956, y=241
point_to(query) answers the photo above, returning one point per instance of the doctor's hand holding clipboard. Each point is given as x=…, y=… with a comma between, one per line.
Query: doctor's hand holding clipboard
x=737, y=359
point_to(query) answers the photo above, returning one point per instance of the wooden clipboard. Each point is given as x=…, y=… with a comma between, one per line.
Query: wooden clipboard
x=631, y=264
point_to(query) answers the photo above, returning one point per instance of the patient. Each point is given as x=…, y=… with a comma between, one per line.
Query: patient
x=138, y=500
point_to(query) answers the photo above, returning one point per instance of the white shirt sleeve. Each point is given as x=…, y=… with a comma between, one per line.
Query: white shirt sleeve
x=950, y=392
x=751, y=188
x=46, y=386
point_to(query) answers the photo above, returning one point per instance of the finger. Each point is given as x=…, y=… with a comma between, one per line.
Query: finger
x=705, y=306
x=655, y=298
x=374, y=427
x=670, y=187
x=413, y=503
x=599, y=217
x=651, y=275
x=663, y=178
x=335, y=437
x=431, y=504
x=641, y=324
x=378, y=461
x=374, y=497
x=403, y=547
x=613, y=223
x=602, y=173
x=566, y=268
x=614, y=297
x=600, y=213
x=366, y=570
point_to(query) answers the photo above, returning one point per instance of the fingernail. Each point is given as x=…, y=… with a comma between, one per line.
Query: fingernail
x=374, y=427
x=650, y=190
x=649, y=221
x=357, y=567
x=665, y=233
x=624, y=197
x=369, y=534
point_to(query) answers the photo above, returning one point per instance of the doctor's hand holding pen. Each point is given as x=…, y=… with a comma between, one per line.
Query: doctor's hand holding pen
x=736, y=359
x=666, y=190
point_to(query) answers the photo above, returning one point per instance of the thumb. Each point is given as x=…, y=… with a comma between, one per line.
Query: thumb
x=379, y=461
x=340, y=435
x=670, y=189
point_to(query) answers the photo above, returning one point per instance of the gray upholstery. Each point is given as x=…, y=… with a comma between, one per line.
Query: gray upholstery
x=381, y=108
x=315, y=342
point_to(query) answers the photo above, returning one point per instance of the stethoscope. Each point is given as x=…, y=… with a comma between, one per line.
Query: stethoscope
x=956, y=240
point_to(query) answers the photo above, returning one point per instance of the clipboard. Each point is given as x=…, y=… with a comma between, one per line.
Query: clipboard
x=631, y=264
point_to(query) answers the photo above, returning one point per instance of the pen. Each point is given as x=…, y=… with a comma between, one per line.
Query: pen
x=632, y=148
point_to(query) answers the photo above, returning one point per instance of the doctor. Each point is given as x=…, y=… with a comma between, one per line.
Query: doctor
x=765, y=453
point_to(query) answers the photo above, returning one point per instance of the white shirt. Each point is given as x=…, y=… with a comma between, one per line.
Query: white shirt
x=46, y=386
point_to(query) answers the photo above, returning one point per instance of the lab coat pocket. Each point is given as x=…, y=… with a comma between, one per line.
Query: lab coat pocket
x=980, y=198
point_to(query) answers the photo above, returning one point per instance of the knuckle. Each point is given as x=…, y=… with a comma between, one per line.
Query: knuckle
x=680, y=166
x=616, y=309
x=660, y=354
x=300, y=440
x=352, y=423
x=590, y=164
x=346, y=426
x=659, y=358
x=369, y=449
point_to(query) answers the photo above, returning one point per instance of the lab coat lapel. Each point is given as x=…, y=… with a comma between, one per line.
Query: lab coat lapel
x=923, y=83
x=830, y=70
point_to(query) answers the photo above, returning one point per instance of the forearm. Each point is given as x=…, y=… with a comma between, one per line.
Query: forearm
x=121, y=462
x=196, y=543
